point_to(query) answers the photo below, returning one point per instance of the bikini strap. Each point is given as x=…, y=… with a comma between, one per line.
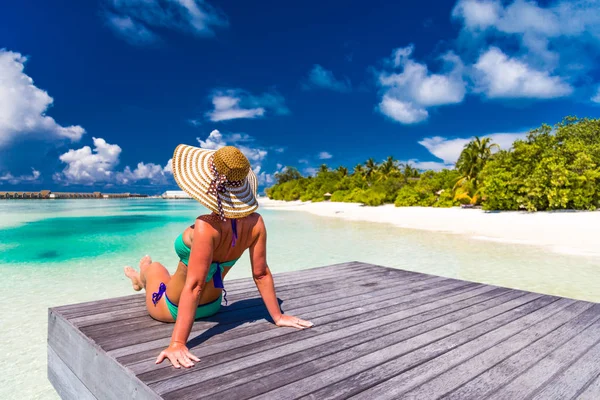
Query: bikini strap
x=234, y=229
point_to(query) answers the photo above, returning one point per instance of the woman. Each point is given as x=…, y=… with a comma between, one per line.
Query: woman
x=223, y=182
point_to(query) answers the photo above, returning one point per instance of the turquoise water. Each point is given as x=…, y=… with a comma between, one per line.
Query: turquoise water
x=59, y=252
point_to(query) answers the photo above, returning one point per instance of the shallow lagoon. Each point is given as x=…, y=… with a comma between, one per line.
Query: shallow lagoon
x=57, y=252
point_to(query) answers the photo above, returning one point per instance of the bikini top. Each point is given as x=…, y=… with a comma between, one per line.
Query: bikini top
x=215, y=271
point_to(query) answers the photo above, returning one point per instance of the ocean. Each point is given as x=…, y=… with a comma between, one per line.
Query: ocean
x=57, y=252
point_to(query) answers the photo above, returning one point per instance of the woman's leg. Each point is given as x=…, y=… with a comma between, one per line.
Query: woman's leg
x=151, y=275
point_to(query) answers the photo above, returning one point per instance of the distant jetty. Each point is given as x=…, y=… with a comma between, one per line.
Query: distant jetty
x=48, y=194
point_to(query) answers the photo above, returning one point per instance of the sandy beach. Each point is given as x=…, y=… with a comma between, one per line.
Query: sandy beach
x=565, y=232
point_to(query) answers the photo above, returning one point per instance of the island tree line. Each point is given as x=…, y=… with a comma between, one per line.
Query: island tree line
x=554, y=167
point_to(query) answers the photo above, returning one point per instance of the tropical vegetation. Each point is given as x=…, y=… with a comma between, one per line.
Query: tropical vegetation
x=552, y=168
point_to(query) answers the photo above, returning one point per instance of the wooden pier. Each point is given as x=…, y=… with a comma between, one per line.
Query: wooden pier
x=379, y=333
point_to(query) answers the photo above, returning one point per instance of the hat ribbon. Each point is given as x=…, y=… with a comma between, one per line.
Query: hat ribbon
x=219, y=185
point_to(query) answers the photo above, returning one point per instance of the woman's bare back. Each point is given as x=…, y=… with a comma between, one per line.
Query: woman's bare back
x=223, y=251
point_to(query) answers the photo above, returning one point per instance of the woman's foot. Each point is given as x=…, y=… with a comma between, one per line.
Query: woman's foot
x=135, y=276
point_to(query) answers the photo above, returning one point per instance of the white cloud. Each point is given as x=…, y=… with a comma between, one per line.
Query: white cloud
x=23, y=106
x=310, y=171
x=87, y=166
x=154, y=173
x=255, y=154
x=236, y=103
x=402, y=111
x=425, y=165
x=560, y=18
x=138, y=21
x=168, y=169
x=448, y=150
x=216, y=140
x=320, y=77
x=14, y=180
x=478, y=14
x=596, y=98
x=408, y=94
x=546, y=33
x=324, y=155
x=499, y=76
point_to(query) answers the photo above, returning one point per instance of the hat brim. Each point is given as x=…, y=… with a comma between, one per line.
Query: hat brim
x=192, y=172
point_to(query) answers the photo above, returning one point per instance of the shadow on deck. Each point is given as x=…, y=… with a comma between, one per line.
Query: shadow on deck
x=379, y=333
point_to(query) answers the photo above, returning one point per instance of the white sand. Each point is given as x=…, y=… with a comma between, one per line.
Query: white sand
x=567, y=232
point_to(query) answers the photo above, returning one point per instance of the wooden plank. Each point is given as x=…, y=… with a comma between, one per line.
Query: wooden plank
x=315, y=310
x=574, y=379
x=500, y=374
x=104, y=378
x=278, y=337
x=370, y=339
x=329, y=297
x=447, y=372
x=258, y=313
x=592, y=392
x=326, y=290
x=67, y=385
x=454, y=334
x=282, y=279
x=87, y=314
x=311, y=312
x=251, y=357
x=531, y=380
x=126, y=314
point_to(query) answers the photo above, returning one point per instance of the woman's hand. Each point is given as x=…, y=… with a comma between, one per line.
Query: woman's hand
x=179, y=355
x=293, y=322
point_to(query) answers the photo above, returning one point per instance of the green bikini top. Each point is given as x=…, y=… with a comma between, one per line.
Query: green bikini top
x=183, y=251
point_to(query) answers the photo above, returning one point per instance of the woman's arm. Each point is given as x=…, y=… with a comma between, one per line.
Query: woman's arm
x=198, y=266
x=264, y=280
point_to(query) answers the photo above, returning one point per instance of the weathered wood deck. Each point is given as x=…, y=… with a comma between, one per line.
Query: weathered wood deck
x=380, y=333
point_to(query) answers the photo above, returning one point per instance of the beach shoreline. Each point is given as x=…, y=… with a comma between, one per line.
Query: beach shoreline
x=563, y=232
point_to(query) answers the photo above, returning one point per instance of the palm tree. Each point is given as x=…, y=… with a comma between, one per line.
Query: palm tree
x=371, y=168
x=389, y=166
x=343, y=171
x=409, y=172
x=323, y=168
x=359, y=170
x=473, y=158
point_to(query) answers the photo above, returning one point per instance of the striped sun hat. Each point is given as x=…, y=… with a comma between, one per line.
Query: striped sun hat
x=220, y=180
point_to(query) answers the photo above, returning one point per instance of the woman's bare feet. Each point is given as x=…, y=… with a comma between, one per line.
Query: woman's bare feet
x=135, y=276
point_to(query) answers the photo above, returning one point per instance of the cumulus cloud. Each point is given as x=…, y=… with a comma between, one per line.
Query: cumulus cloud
x=324, y=155
x=425, y=165
x=596, y=97
x=406, y=95
x=236, y=104
x=560, y=18
x=551, y=36
x=255, y=154
x=14, y=180
x=216, y=140
x=500, y=76
x=320, y=77
x=138, y=21
x=448, y=150
x=23, y=106
x=87, y=166
x=150, y=172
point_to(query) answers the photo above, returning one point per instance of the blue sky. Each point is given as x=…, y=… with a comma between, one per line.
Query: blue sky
x=97, y=94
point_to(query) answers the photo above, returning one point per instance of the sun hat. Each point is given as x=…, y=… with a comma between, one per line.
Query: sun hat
x=221, y=180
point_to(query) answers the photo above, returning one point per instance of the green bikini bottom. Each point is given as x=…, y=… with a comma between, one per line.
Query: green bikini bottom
x=203, y=310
